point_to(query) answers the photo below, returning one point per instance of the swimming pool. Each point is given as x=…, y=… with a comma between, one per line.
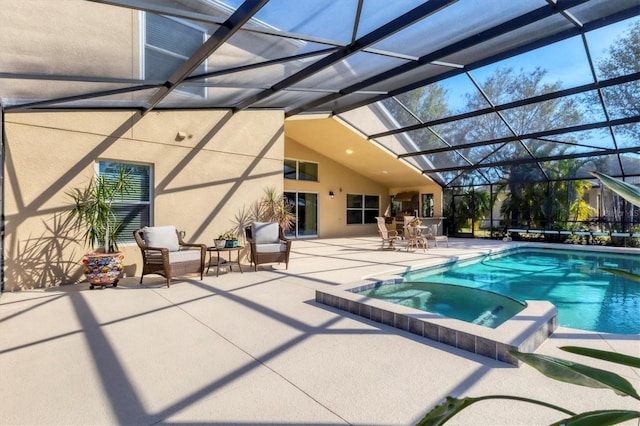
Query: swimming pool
x=586, y=298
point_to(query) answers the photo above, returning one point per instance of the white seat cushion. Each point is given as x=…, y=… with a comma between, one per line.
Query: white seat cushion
x=271, y=248
x=265, y=232
x=183, y=256
x=161, y=237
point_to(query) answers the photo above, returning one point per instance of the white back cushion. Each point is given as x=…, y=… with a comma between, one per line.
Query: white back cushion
x=161, y=236
x=265, y=232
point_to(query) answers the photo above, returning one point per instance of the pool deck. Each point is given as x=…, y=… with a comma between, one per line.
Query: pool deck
x=256, y=348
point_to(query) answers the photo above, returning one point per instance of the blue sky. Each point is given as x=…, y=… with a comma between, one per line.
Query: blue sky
x=565, y=61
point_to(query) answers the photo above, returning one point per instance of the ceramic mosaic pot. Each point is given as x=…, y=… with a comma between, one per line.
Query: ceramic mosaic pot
x=103, y=268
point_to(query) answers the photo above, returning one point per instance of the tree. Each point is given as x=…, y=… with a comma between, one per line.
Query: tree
x=623, y=59
x=419, y=105
x=471, y=205
x=530, y=198
x=580, y=210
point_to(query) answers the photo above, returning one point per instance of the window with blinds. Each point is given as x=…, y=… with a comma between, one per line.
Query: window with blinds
x=168, y=44
x=134, y=210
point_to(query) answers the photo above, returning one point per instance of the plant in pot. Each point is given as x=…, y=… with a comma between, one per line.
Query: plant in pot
x=226, y=240
x=271, y=207
x=93, y=211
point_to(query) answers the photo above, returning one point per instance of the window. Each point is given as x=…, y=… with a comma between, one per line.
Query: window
x=300, y=170
x=168, y=44
x=135, y=210
x=362, y=208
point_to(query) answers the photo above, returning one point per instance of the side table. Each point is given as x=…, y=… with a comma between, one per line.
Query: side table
x=220, y=261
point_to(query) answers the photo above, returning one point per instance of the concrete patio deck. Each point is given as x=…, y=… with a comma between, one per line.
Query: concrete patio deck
x=255, y=348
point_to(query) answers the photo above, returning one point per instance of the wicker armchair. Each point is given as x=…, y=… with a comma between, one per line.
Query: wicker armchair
x=268, y=244
x=165, y=253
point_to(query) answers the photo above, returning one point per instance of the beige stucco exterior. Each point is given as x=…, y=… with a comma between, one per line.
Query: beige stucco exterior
x=199, y=183
x=342, y=180
x=224, y=163
x=333, y=176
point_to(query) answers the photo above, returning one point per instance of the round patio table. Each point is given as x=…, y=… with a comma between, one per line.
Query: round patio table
x=220, y=261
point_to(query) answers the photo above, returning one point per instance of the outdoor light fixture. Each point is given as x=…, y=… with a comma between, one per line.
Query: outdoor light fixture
x=331, y=194
x=180, y=136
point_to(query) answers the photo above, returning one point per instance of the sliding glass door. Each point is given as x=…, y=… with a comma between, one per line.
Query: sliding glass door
x=305, y=207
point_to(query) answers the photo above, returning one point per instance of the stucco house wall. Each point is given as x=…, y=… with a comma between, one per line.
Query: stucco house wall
x=199, y=183
x=332, y=176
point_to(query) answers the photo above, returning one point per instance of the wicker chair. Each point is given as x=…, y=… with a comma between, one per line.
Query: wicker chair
x=165, y=253
x=268, y=244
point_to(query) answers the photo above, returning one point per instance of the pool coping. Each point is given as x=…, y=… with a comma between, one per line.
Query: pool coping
x=525, y=331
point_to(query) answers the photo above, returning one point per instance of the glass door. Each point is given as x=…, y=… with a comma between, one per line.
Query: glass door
x=305, y=206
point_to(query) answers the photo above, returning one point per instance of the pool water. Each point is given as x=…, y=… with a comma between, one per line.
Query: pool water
x=586, y=298
x=467, y=304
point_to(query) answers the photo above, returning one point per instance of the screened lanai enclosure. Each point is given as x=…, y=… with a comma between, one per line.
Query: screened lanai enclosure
x=506, y=104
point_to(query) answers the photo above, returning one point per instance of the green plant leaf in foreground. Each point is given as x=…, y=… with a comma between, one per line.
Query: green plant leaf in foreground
x=623, y=359
x=625, y=190
x=623, y=274
x=599, y=418
x=579, y=374
x=440, y=414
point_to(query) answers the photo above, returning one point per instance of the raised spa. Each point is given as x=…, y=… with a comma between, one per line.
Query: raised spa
x=467, y=304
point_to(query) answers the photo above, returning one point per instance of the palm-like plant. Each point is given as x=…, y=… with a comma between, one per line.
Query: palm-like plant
x=272, y=207
x=93, y=209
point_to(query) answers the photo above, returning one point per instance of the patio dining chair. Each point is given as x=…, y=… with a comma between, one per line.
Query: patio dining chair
x=388, y=236
x=415, y=239
x=433, y=236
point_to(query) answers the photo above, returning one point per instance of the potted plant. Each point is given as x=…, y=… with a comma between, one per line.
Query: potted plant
x=226, y=240
x=230, y=240
x=93, y=210
x=270, y=208
x=220, y=242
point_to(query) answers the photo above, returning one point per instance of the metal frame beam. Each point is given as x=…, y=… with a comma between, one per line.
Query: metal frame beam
x=533, y=160
x=469, y=67
x=365, y=41
x=217, y=39
x=65, y=99
x=515, y=104
x=504, y=28
x=533, y=135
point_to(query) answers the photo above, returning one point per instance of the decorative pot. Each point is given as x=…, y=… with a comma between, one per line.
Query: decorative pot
x=103, y=268
x=231, y=243
x=220, y=244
